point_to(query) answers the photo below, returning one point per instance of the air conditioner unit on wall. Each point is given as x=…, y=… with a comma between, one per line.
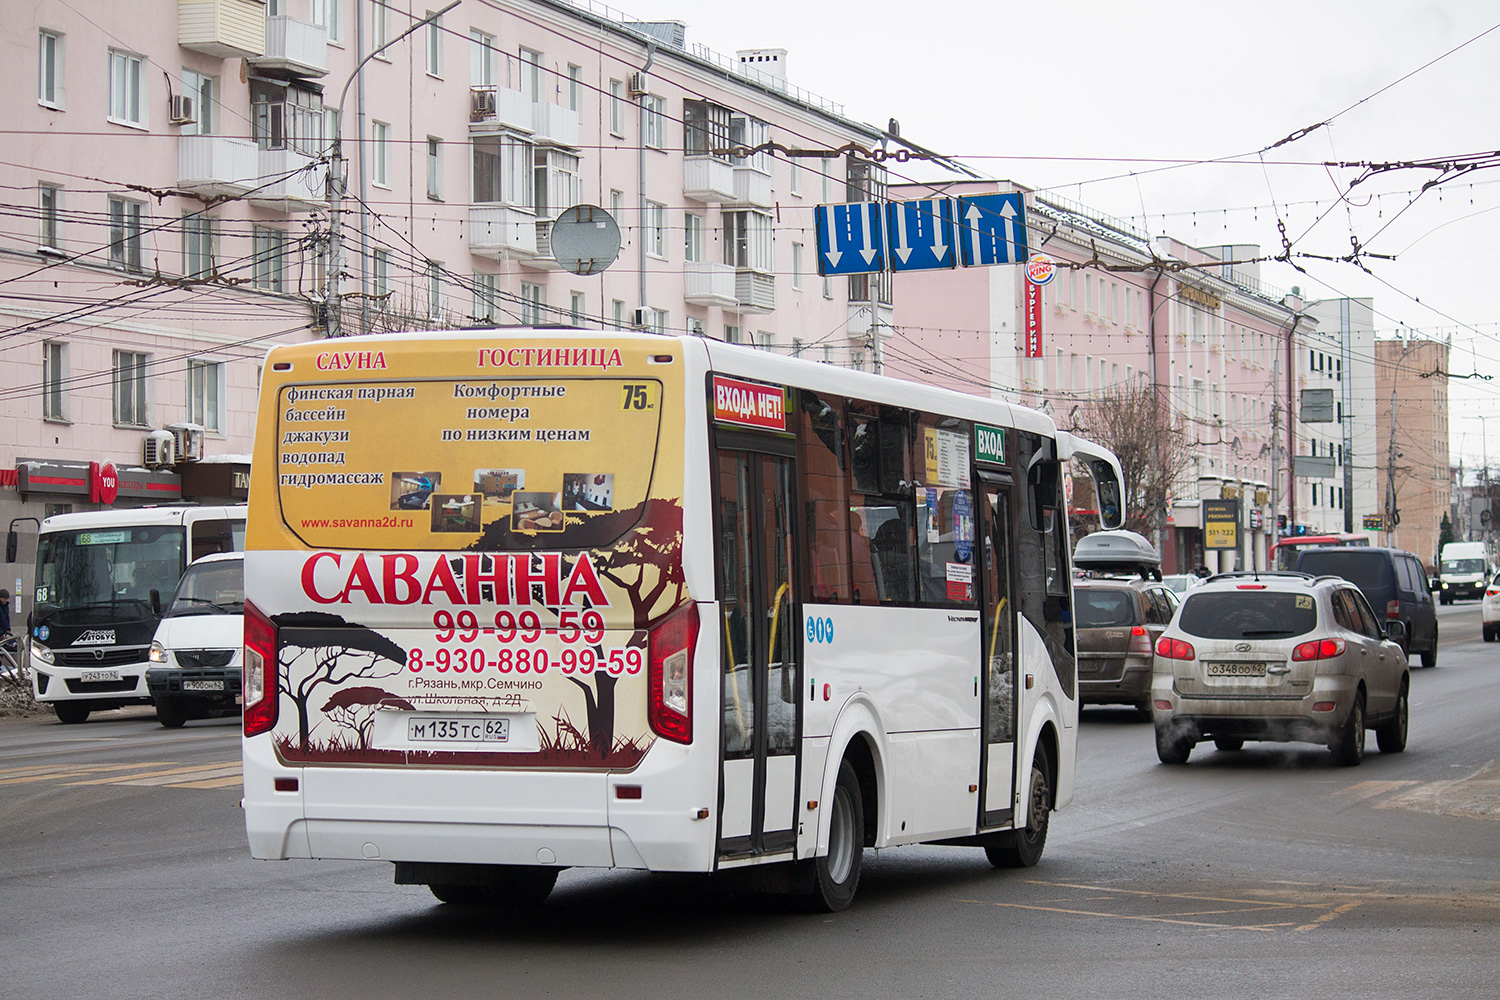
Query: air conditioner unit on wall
x=189, y=441
x=184, y=109
x=161, y=450
x=639, y=85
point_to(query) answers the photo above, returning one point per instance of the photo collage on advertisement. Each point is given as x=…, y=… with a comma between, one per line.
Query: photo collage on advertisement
x=501, y=494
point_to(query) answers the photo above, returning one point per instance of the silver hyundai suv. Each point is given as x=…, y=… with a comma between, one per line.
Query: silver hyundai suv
x=1281, y=657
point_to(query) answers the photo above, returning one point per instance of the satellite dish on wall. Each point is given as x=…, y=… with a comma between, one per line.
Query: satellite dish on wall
x=585, y=239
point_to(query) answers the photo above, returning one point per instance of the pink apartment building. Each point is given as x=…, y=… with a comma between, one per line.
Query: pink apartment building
x=166, y=178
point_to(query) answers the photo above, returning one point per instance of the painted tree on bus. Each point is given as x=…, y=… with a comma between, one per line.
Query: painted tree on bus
x=354, y=709
x=320, y=650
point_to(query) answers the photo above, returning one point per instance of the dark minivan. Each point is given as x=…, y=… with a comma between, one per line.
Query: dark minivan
x=1394, y=583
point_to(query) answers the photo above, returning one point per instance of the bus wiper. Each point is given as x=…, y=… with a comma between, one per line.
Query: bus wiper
x=203, y=600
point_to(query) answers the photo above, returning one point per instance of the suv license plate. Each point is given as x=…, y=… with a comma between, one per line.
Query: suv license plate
x=1236, y=670
x=455, y=730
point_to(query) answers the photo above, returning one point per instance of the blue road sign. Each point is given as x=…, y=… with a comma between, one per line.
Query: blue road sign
x=991, y=229
x=851, y=239
x=920, y=234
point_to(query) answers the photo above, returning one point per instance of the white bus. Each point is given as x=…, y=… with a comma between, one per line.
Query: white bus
x=102, y=579
x=529, y=600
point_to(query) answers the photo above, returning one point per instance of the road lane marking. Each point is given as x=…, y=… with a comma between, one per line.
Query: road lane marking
x=59, y=771
x=1331, y=915
x=1369, y=789
x=166, y=777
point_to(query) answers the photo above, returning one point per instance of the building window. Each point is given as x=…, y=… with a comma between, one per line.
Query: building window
x=797, y=266
x=658, y=320
x=617, y=313
x=656, y=121
x=502, y=170
x=127, y=88
x=125, y=233
x=205, y=382
x=796, y=169
x=434, y=168
x=380, y=27
x=767, y=339
x=269, y=267
x=380, y=165
x=747, y=240
x=54, y=380
x=531, y=75
x=751, y=132
x=130, y=389
x=616, y=108
x=481, y=58
x=705, y=128
x=49, y=69
x=575, y=87
x=656, y=229
x=434, y=33
x=731, y=334
x=380, y=278
x=692, y=243
x=434, y=289
x=197, y=246
x=616, y=204
x=533, y=301
x=204, y=90
x=576, y=310
x=555, y=180
x=325, y=14
x=484, y=298
x=797, y=346
x=49, y=210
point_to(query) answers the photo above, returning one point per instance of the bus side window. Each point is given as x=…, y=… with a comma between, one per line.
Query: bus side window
x=820, y=465
x=882, y=521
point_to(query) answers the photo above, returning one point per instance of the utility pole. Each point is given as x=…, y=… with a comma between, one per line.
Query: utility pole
x=338, y=180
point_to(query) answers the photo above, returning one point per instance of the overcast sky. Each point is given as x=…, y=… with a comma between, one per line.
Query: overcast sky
x=1080, y=96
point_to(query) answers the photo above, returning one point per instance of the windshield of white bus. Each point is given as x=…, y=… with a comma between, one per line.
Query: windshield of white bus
x=107, y=573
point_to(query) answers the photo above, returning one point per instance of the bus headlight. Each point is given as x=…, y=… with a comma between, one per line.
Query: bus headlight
x=42, y=653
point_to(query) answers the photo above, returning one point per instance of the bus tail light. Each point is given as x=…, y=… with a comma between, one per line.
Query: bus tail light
x=669, y=704
x=260, y=672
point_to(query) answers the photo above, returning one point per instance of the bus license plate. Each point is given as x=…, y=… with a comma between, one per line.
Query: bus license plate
x=1236, y=670
x=100, y=675
x=476, y=730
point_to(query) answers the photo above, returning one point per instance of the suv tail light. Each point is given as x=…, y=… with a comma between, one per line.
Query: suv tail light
x=1140, y=642
x=259, y=685
x=669, y=697
x=1393, y=609
x=1175, y=649
x=1319, y=649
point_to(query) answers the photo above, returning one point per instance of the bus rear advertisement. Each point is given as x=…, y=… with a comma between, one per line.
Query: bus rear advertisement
x=523, y=601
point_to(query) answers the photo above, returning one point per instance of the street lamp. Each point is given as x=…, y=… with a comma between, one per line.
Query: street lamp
x=333, y=322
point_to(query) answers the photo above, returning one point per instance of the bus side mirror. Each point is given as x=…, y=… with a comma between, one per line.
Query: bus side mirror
x=12, y=544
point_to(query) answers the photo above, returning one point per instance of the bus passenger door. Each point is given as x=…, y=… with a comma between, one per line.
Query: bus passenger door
x=998, y=619
x=758, y=595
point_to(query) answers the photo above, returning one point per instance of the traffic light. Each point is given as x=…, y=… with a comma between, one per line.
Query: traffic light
x=1281, y=523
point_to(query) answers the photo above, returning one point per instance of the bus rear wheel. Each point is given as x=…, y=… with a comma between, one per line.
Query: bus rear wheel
x=1023, y=848
x=835, y=876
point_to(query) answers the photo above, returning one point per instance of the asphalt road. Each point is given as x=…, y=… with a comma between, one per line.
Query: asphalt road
x=1267, y=873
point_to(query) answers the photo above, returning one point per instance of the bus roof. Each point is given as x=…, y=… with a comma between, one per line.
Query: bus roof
x=175, y=514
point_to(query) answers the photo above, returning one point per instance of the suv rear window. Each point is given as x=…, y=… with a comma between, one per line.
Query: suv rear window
x=1102, y=608
x=1241, y=614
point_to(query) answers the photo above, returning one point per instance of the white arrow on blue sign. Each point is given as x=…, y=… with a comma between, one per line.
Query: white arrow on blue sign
x=920, y=234
x=991, y=229
x=851, y=238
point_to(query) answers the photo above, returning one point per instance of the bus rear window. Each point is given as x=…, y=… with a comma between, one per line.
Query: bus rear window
x=467, y=464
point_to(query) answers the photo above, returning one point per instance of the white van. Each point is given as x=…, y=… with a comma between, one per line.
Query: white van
x=1463, y=571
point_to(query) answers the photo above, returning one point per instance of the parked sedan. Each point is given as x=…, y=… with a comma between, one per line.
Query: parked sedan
x=1490, y=609
x=1280, y=657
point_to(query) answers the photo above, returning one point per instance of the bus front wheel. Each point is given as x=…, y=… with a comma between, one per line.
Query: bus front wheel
x=835, y=875
x=1024, y=847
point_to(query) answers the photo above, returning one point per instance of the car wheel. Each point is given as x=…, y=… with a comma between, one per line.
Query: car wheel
x=1489, y=632
x=170, y=714
x=1024, y=847
x=835, y=876
x=1391, y=734
x=1172, y=747
x=1429, y=657
x=514, y=885
x=1229, y=744
x=1348, y=746
x=71, y=713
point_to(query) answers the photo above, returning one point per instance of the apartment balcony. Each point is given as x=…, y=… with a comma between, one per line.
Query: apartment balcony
x=224, y=29
x=752, y=187
x=502, y=232
x=493, y=108
x=216, y=165
x=555, y=124
x=754, y=291
x=710, y=284
x=707, y=179
x=543, y=261
x=294, y=47
x=289, y=181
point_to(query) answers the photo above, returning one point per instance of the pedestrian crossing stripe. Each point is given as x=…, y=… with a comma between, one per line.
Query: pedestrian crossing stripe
x=218, y=774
